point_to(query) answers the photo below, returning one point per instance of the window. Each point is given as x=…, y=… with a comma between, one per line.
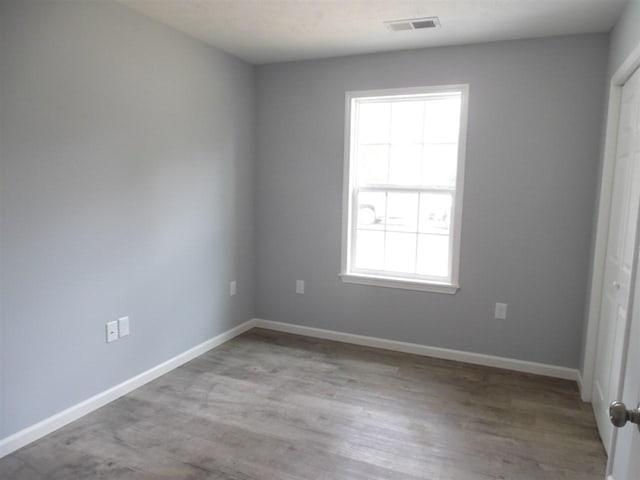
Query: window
x=404, y=168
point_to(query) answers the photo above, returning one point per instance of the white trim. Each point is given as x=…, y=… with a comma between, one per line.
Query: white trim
x=579, y=382
x=618, y=79
x=60, y=419
x=347, y=272
x=361, y=279
x=424, y=350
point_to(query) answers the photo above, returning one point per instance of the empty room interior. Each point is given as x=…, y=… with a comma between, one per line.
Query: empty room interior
x=319, y=239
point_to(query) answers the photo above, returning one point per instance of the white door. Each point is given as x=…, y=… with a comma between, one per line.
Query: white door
x=620, y=259
x=624, y=461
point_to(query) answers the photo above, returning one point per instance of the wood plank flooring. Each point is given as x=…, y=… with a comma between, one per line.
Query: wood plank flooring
x=270, y=405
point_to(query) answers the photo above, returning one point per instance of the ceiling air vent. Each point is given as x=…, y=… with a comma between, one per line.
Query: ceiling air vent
x=413, y=24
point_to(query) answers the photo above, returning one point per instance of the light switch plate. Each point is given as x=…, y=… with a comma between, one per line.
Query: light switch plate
x=233, y=288
x=300, y=286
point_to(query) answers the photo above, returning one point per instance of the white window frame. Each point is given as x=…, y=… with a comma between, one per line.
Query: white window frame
x=348, y=275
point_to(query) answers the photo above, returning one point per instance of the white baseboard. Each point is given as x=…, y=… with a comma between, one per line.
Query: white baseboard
x=444, y=353
x=60, y=419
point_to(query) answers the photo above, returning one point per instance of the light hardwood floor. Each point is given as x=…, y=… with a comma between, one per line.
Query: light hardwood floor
x=270, y=405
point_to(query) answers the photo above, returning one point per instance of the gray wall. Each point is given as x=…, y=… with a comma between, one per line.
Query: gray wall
x=126, y=189
x=625, y=36
x=532, y=156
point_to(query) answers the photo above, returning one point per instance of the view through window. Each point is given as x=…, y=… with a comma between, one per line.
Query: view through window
x=403, y=194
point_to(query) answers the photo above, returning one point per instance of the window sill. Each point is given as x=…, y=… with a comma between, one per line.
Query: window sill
x=390, y=282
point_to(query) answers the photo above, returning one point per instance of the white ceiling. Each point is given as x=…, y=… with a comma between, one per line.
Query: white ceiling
x=266, y=31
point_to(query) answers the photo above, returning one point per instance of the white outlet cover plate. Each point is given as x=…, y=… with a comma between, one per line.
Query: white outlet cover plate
x=501, y=311
x=300, y=286
x=233, y=288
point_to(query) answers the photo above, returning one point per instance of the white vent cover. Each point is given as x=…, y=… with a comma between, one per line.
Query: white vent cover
x=413, y=24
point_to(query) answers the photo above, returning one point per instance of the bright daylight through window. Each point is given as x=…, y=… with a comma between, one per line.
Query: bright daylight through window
x=404, y=167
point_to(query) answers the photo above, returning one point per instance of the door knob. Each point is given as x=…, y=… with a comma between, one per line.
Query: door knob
x=619, y=415
x=616, y=285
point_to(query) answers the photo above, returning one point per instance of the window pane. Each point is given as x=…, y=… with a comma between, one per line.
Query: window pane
x=374, y=122
x=439, y=165
x=442, y=120
x=371, y=210
x=405, y=165
x=402, y=211
x=400, y=254
x=435, y=213
x=373, y=164
x=433, y=255
x=369, y=250
x=407, y=122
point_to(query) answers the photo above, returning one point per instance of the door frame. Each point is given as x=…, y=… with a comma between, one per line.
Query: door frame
x=618, y=79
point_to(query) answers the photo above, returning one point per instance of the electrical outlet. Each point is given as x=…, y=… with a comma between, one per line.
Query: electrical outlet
x=123, y=327
x=300, y=286
x=232, y=288
x=112, y=331
x=501, y=311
